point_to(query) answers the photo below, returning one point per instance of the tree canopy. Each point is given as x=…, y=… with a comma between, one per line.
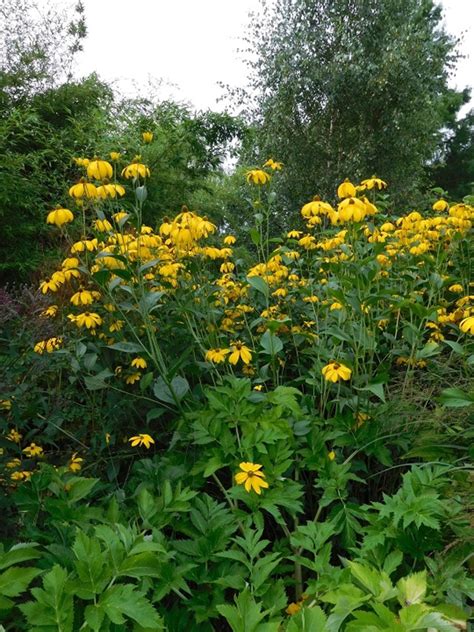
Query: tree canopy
x=348, y=89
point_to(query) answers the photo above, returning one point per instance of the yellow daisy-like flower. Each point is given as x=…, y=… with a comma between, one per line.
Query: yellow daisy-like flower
x=115, y=156
x=346, y=189
x=136, y=170
x=141, y=439
x=139, y=363
x=230, y=240
x=240, y=352
x=99, y=169
x=14, y=436
x=83, y=189
x=60, y=216
x=251, y=477
x=147, y=137
x=467, y=325
x=5, y=404
x=75, y=464
x=331, y=455
x=440, y=205
x=90, y=320
x=33, y=450
x=456, y=287
x=334, y=371
x=216, y=355
x=48, y=346
x=20, y=476
x=374, y=183
x=132, y=378
x=82, y=297
x=257, y=176
x=274, y=165
x=49, y=312
x=108, y=190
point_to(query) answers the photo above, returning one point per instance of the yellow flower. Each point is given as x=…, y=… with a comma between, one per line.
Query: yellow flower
x=141, y=439
x=99, y=169
x=240, y=351
x=21, y=476
x=251, y=477
x=75, y=464
x=293, y=608
x=108, y=190
x=49, y=312
x=136, y=170
x=331, y=455
x=60, y=216
x=336, y=306
x=361, y=418
x=334, y=371
x=346, y=189
x=216, y=355
x=132, y=378
x=115, y=156
x=50, y=345
x=13, y=463
x=90, y=320
x=374, y=183
x=102, y=225
x=147, y=137
x=457, y=288
x=276, y=166
x=257, y=176
x=351, y=209
x=139, y=363
x=33, y=450
x=5, y=404
x=467, y=325
x=294, y=234
x=81, y=162
x=440, y=205
x=14, y=436
x=230, y=240
x=82, y=297
x=83, y=189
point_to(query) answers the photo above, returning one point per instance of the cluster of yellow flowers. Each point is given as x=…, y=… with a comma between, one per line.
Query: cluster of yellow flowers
x=33, y=451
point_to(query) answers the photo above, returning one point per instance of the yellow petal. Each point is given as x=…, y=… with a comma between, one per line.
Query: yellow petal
x=241, y=477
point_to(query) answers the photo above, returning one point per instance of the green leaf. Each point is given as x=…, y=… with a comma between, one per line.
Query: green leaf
x=308, y=620
x=53, y=605
x=376, y=389
x=259, y=284
x=254, y=236
x=270, y=343
x=123, y=601
x=456, y=398
x=179, y=386
x=412, y=589
x=126, y=347
x=16, y=579
x=213, y=464
x=19, y=553
x=80, y=487
x=97, y=382
x=246, y=615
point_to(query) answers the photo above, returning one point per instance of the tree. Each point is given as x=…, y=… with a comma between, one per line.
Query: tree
x=454, y=169
x=37, y=47
x=348, y=88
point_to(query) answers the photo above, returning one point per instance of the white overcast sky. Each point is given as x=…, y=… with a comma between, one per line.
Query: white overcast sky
x=193, y=44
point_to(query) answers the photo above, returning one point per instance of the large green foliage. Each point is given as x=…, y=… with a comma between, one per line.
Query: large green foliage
x=38, y=138
x=346, y=89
